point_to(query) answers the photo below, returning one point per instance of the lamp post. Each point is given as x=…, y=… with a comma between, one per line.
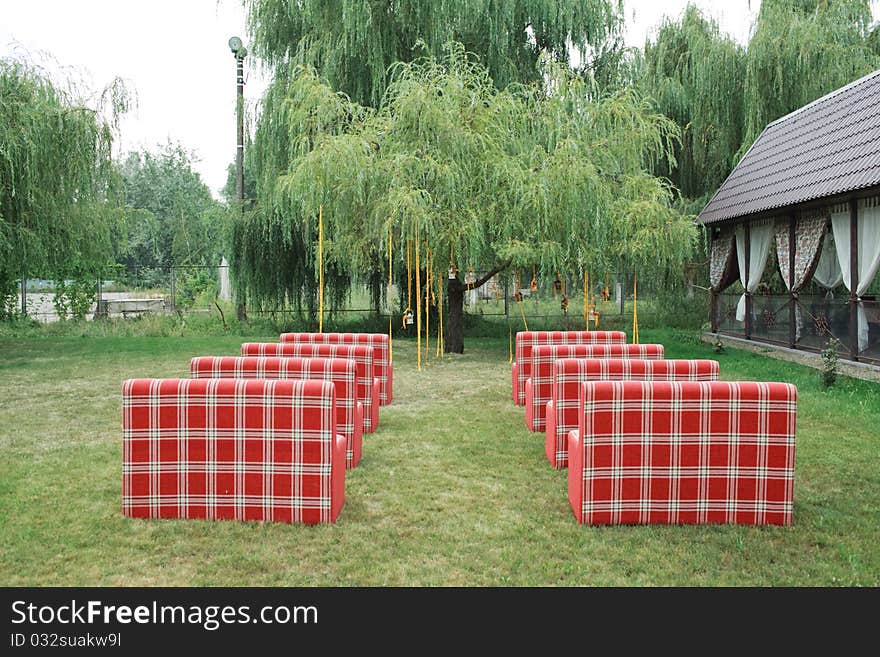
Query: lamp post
x=239, y=52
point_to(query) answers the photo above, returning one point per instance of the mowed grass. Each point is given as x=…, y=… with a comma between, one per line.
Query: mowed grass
x=452, y=489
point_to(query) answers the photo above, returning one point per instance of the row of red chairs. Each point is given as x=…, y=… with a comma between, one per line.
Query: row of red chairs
x=648, y=440
x=266, y=435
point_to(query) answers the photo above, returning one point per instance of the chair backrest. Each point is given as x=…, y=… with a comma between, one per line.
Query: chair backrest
x=342, y=372
x=361, y=354
x=525, y=340
x=543, y=357
x=684, y=452
x=569, y=373
x=229, y=449
x=381, y=351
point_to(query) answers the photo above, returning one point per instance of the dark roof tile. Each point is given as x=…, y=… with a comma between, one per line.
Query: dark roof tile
x=830, y=146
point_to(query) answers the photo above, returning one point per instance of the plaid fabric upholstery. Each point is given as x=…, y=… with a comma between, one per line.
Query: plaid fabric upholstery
x=525, y=340
x=382, y=367
x=231, y=449
x=539, y=389
x=340, y=371
x=362, y=355
x=570, y=373
x=683, y=453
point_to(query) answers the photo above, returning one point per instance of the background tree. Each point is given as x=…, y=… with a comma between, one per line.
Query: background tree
x=460, y=170
x=800, y=51
x=172, y=219
x=55, y=176
x=352, y=43
x=722, y=95
x=695, y=75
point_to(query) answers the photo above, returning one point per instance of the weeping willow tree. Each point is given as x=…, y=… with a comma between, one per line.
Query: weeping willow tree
x=463, y=175
x=722, y=95
x=352, y=43
x=696, y=74
x=55, y=174
x=800, y=51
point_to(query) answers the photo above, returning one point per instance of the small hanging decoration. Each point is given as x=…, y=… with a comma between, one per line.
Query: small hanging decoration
x=557, y=284
x=407, y=318
x=534, y=284
x=564, y=303
x=453, y=271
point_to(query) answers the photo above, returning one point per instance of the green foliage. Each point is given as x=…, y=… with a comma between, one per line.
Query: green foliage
x=723, y=95
x=353, y=43
x=801, y=50
x=74, y=297
x=830, y=362
x=170, y=216
x=490, y=177
x=55, y=174
x=695, y=74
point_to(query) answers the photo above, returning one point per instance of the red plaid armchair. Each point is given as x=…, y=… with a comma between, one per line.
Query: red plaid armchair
x=362, y=355
x=539, y=387
x=383, y=369
x=683, y=453
x=231, y=449
x=570, y=373
x=525, y=340
x=340, y=371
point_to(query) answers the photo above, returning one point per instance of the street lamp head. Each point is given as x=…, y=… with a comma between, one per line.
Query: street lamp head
x=235, y=45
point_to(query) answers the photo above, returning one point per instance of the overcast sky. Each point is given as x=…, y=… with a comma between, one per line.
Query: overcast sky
x=174, y=54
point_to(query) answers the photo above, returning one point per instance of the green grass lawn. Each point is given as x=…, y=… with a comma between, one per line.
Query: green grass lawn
x=452, y=488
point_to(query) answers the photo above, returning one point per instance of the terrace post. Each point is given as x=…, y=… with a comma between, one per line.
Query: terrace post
x=713, y=293
x=747, y=247
x=854, y=278
x=792, y=297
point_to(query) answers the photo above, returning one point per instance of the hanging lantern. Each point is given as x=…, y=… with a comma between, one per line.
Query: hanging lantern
x=564, y=303
x=453, y=272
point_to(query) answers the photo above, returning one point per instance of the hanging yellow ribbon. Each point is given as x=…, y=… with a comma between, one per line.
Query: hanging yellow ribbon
x=320, y=269
x=418, y=304
x=427, y=300
x=440, y=346
x=509, y=344
x=587, y=298
x=408, y=283
x=635, y=311
x=390, y=283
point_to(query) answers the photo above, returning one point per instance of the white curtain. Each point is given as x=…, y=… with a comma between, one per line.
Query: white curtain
x=828, y=273
x=868, y=232
x=760, y=238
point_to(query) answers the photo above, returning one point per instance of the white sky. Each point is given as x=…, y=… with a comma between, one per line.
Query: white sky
x=174, y=55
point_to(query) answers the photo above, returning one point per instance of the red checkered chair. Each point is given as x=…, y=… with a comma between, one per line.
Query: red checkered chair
x=368, y=385
x=224, y=449
x=525, y=340
x=683, y=453
x=570, y=373
x=539, y=387
x=383, y=369
x=340, y=371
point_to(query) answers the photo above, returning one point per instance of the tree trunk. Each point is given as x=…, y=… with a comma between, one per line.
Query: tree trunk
x=453, y=332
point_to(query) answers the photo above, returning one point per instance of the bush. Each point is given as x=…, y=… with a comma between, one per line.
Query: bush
x=830, y=362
